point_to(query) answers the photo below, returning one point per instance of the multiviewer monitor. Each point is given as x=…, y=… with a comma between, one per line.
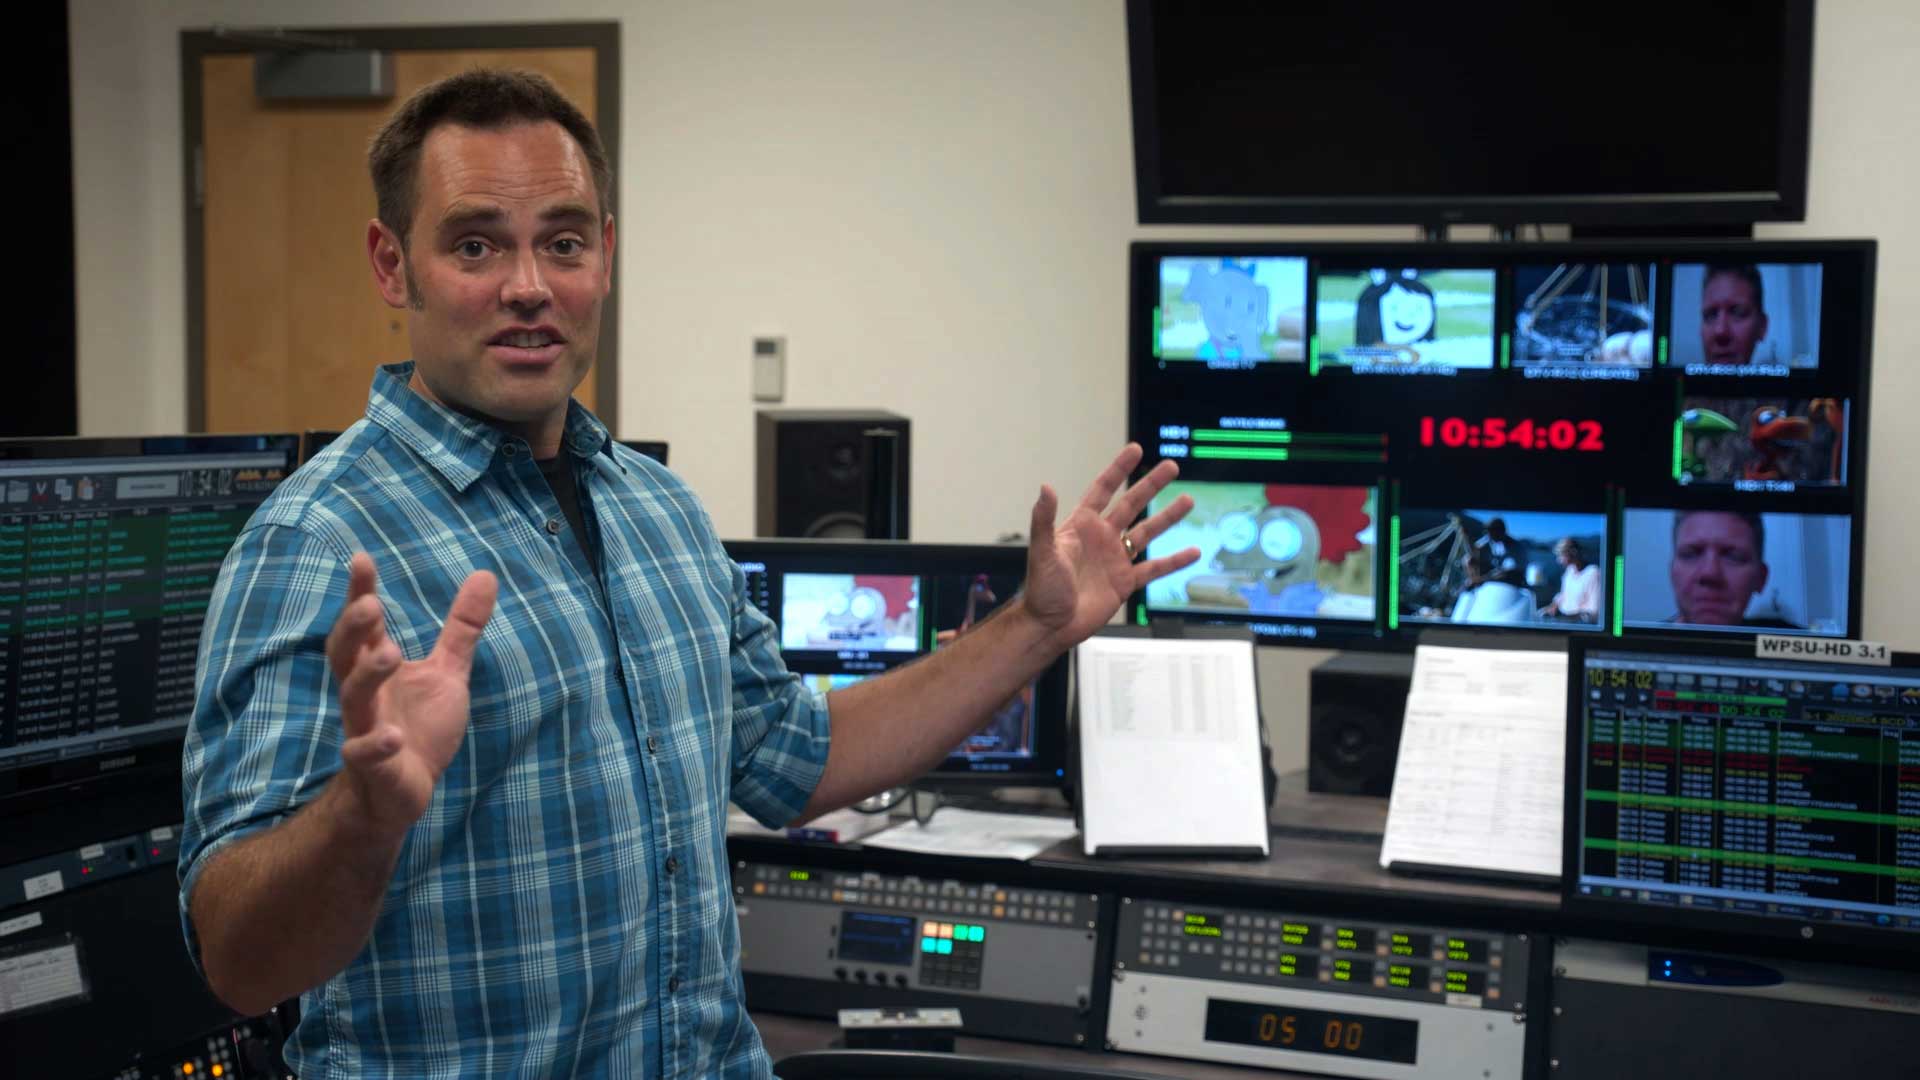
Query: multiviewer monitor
x=1710, y=788
x=1593, y=439
x=850, y=610
x=108, y=553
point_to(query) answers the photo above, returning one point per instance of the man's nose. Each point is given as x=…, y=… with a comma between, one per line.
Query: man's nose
x=526, y=286
x=1711, y=568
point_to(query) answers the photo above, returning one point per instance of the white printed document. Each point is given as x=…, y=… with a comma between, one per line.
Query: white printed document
x=1481, y=774
x=1169, y=746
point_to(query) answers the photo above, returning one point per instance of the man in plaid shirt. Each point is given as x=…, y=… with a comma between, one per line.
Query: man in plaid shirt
x=477, y=684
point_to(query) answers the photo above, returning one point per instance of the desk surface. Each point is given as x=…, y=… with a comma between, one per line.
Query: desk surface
x=787, y=1035
x=1325, y=853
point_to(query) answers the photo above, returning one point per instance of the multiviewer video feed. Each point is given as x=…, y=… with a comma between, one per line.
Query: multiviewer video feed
x=1391, y=320
x=1762, y=443
x=1270, y=549
x=1720, y=570
x=1503, y=568
x=1583, y=314
x=869, y=612
x=1745, y=318
x=826, y=684
x=1232, y=312
x=961, y=602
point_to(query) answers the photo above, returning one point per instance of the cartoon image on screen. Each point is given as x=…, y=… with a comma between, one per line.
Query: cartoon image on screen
x=1386, y=318
x=877, y=613
x=1503, y=568
x=1270, y=549
x=1759, y=440
x=1722, y=570
x=1232, y=312
x=1733, y=318
x=962, y=602
x=1584, y=313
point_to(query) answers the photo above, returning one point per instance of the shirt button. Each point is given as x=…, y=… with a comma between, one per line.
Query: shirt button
x=510, y=449
x=653, y=745
x=673, y=865
x=553, y=526
x=673, y=985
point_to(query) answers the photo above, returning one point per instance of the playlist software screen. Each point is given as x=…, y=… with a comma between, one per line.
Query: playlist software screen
x=1751, y=787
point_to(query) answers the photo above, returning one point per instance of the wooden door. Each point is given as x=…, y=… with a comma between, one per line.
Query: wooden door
x=293, y=324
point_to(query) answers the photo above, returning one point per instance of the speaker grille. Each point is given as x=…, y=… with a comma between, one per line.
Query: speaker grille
x=811, y=471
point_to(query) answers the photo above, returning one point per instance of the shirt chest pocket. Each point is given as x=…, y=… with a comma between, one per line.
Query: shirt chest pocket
x=670, y=614
x=538, y=660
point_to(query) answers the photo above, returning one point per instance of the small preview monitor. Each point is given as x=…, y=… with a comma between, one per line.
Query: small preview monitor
x=108, y=553
x=1269, y=553
x=1745, y=318
x=1583, y=316
x=1228, y=312
x=853, y=610
x=1777, y=443
x=1503, y=567
x=1404, y=320
x=1711, y=787
x=1735, y=571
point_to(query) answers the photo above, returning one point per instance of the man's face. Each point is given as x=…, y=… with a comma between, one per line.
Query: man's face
x=1731, y=323
x=1716, y=569
x=507, y=265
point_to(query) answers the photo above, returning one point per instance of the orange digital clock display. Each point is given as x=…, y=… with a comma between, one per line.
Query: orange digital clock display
x=1313, y=1031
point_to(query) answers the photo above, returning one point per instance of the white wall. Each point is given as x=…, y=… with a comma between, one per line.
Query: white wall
x=932, y=200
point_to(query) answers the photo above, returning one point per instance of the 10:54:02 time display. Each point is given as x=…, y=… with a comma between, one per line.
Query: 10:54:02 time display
x=1494, y=433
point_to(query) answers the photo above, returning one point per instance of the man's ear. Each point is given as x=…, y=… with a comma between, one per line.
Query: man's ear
x=606, y=246
x=389, y=264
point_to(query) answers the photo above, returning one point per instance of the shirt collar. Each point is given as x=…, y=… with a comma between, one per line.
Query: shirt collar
x=459, y=447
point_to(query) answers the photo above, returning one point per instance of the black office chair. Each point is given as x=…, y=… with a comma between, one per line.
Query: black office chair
x=915, y=1065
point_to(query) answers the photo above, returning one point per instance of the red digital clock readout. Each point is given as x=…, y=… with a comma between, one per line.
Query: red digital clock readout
x=1494, y=433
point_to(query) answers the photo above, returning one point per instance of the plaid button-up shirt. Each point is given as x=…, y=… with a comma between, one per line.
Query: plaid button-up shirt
x=564, y=906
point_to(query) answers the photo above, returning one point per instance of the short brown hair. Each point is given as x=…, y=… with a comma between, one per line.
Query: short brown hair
x=485, y=98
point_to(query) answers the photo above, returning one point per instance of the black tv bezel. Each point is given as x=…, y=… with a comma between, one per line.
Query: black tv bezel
x=314, y=440
x=1143, y=259
x=1678, y=926
x=149, y=765
x=1648, y=209
x=653, y=448
x=1048, y=767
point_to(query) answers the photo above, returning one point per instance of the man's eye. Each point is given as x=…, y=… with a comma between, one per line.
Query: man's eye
x=567, y=245
x=472, y=249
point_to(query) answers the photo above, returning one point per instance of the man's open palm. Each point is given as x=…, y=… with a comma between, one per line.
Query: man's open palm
x=404, y=720
x=1080, y=571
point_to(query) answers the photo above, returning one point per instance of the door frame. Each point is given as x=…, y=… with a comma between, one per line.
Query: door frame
x=195, y=45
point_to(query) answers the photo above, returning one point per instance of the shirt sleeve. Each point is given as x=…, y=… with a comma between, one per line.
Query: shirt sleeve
x=265, y=734
x=780, y=727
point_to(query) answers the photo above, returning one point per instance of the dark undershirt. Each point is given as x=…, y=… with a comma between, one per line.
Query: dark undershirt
x=559, y=473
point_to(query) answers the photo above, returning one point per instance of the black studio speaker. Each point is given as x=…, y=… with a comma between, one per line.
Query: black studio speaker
x=1353, y=732
x=817, y=472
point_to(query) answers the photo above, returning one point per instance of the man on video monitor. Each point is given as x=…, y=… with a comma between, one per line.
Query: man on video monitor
x=1719, y=564
x=1733, y=314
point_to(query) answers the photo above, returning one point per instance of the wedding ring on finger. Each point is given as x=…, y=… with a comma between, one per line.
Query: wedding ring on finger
x=1126, y=541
